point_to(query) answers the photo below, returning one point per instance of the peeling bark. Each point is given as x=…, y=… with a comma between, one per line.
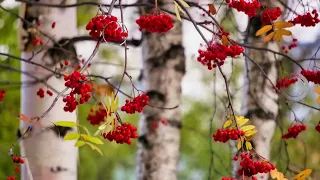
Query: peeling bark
x=47, y=155
x=163, y=70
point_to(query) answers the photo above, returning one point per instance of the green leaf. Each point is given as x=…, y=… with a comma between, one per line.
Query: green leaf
x=103, y=126
x=95, y=140
x=79, y=143
x=115, y=105
x=108, y=103
x=97, y=132
x=95, y=148
x=66, y=123
x=72, y=136
x=85, y=129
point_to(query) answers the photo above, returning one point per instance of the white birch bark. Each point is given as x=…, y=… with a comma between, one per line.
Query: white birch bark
x=47, y=156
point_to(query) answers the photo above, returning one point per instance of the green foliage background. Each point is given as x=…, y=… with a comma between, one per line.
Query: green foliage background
x=119, y=161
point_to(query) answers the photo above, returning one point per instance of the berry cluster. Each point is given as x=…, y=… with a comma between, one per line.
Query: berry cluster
x=249, y=8
x=250, y=167
x=294, y=131
x=97, y=116
x=286, y=82
x=307, y=20
x=269, y=15
x=17, y=159
x=108, y=26
x=40, y=93
x=122, y=134
x=227, y=134
x=155, y=23
x=77, y=82
x=217, y=53
x=318, y=127
x=11, y=178
x=223, y=33
x=37, y=41
x=311, y=76
x=136, y=104
x=2, y=92
x=291, y=46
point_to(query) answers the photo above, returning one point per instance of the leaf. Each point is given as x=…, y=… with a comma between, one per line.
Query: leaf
x=224, y=40
x=212, y=9
x=250, y=133
x=65, y=123
x=94, y=140
x=274, y=174
x=268, y=37
x=184, y=3
x=227, y=123
x=102, y=89
x=248, y=145
x=263, y=30
x=24, y=118
x=317, y=90
x=283, y=24
x=277, y=37
x=303, y=174
x=85, y=129
x=115, y=104
x=103, y=126
x=79, y=143
x=240, y=143
x=97, y=132
x=247, y=128
x=176, y=10
x=95, y=148
x=72, y=136
x=283, y=32
x=241, y=120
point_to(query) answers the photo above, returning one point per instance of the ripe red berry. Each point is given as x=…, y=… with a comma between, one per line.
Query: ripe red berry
x=318, y=127
x=235, y=158
x=294, y=131
x=248, y=7
x=249, y=167
x=66, y=62
x=97, y=116
x=40, y=93
x=53, y=25
x=311, y=76
x=2, y=92
x=269, y=15
x=155, y=23
x=122, y=134
x=286, y=82
x=17, y=169
x=136, y=104
x=21, y=161
x=224, y=135
x=49, y=93
x=308, y=19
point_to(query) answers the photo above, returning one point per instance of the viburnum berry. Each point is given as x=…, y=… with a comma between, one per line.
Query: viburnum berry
x=37, y=41
x=294, y=131
x=40, y=93
x=17, y=159
x=217, y=53
x=311, y=76
x=224, y=135
x=97, y=116
x=77, y=82
x=49, y=93
x=2, y=93
x=269, y=15
x=122, y=134
x=155, y=22
x=249, y=7
x=249, y=167
x=107, y=26
x=136, y=104
x=286, y=82
x=17, y=169
x=318, y=127
x=53, y=25
x=307, y=20
x=235, y=158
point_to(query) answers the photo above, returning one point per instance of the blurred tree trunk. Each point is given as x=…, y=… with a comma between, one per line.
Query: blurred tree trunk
x=47, y=155
x=163, y=69
x=262, y=102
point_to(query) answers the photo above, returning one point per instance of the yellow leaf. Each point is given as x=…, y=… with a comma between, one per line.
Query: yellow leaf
x=277, y=37
x=212, y=9
x=247, y=128
x=227, y=123
x=268, y=37
x=240, y=143
x=303, y=174
x=176, y=10
x=184, y=3
x=248, y=145
x=241, y=120
x=283, y=32
x=283, y=25
x=263, y=30
x=250, y=133
x=224, y=40
x=274, y=174
x=102, y=90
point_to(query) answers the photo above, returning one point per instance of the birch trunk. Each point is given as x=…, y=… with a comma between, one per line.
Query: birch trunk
x=262, y=102
x=163, y=69
x=47, y=155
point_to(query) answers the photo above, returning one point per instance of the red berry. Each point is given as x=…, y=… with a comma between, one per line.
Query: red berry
x=17, y=169
x=235, y=158
x=136, y=104
x=2, y=92
x=53, y=25
x=122, y=134
x=155, y=23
